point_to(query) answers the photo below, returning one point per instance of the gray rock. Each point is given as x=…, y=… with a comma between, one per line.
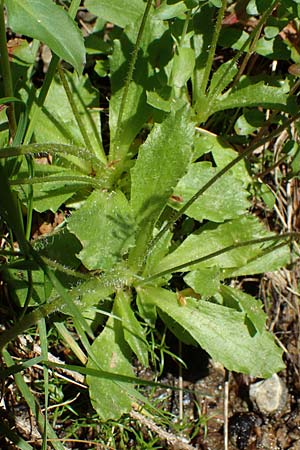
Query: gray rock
x=269, y=396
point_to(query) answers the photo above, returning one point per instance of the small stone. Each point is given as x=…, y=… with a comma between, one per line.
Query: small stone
x=269, y=396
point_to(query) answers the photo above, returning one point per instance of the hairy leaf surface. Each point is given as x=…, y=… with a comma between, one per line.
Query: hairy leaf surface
x=225, y=200
x=105, y=227
x=110, y=397
x=222, y=332
x=161, y=162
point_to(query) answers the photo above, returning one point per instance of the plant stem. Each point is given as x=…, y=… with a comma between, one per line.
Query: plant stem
x=213, y=47
x=27, y=321
x=74, y=108
x=119, y=128
x=6, y=73
x=224, y=82
x=185, y=26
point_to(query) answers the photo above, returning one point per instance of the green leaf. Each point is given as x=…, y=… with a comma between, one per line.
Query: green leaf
x=105, y=227
x=222, y=152
x=205, y=281
x=168, y=11
x=222, y=332
x=156, y=100
x=47, y=194
x=180, y=332
x=258, y=94
x=222, y=77
x=248, y=304
x=57, y=123
x=93, y=299
x=234, y=38
x=134, y=334
x=110, y=398
x=268, y=262
x=18, y=285
x=146, y=307
x=183, y=66
x=226, y=199
x=51, y=24
x=81, y=158
x=274, y=48
x=162, y=160
x=212, y=237
x=249, y=121
x=119, y=12
x=61, y=246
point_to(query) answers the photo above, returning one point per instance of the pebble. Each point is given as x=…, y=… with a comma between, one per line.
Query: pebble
x=269, y=396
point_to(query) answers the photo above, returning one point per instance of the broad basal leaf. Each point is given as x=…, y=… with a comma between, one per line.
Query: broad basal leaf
x=268, y=262
x=105, y=227
x=204, y=281
x=258, y=94
x=222, y=152
x=51, y=24
x=57, y=123
x=222, y=332
x=226, y=199
x=162, y=160
x=119, y=12
x=134, y=334
x=110, y=397
x=211, y=238
x=246, y=303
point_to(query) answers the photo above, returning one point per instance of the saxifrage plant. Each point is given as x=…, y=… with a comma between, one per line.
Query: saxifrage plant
x=175, y=201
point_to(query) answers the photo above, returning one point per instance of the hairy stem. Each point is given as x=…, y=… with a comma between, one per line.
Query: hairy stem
x=115, y=154
x=212, y=48
x=6, y=73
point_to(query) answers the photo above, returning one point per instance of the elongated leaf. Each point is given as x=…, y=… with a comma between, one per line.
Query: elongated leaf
x=162, y=160
x=222, y=332
x=109, y=397
x=166, y=11
x=136, y=109
x=119, y=12
x=222, y=77
x=51, y=24
x=105, y=227
x=225, y=200
x=183, y=66
x=268, y=262
x=212, y=238
x=57, y=123
x=86, y=161
x=146, y=308
x=250, y=305
x=133, y=332
x=258, y=94
x=52, y=185
x=222, y=153
x=205, y=281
